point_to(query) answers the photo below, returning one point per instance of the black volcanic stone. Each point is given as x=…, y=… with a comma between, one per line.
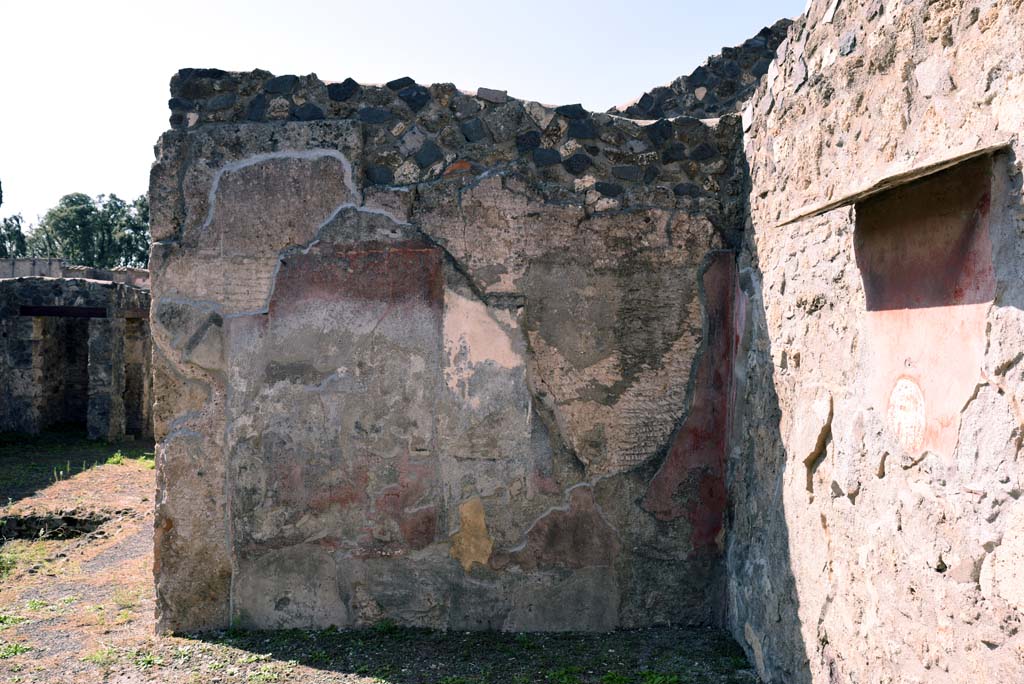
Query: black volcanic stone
x=573, y=111
x=651, y=174
x=582, y=129
x=281, y=85
x=659, y=132
x=698, y=78
x=628, y=173
x=703, y=152
x=474, y=130
x=428, y=154
x=177, y=119
x=400, y=83
x=374, y=115
x=339, y=92
x=189, y=74
x=645, y=103
x=379, y=175
x=307, y=112
x=180, y=104
x=608, y=189
x=760, y=67
x=530, y=140
x=416, y=96
x=731, y=70
x=673, y=153
x=222, y=101
x=686, y=190
x=543, y=156
x=577, y=163
x=257, y=108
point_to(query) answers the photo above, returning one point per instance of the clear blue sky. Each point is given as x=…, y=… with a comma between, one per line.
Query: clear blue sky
x=85, y=83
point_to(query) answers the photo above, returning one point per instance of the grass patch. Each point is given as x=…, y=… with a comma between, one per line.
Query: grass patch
x=659, y=678
x=7, y=564
x=565, y=675
x=9, y=650
x=615, y=678
x=10, y=620
x=125, y=599
x=25, y=552
x=102, y=657
x=145, y=660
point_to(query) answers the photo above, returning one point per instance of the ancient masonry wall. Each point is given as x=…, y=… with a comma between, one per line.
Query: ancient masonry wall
x=63, y=356
x=456, y=360
x=877, y=526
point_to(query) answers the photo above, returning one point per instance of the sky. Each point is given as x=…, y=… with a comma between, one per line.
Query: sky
x=85, y=84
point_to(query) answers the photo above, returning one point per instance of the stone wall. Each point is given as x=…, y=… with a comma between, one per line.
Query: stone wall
x=456, y=360
x=57, y=268
x=62, y=355
x=719, y=86
x=876, y=474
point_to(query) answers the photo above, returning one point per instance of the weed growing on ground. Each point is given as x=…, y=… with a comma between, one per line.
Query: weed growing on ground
x=102, y=657
x=7, y=564
x=386, y=627
x=615, y=678
x=264, y=675
x=9, y=650
x=116, y=459
x=146, y=659
x=565, y=675
x=125, y=599
x=8, y=620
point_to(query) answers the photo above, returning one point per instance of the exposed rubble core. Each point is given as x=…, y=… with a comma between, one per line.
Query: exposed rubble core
x=719, y=86
x=74, y=351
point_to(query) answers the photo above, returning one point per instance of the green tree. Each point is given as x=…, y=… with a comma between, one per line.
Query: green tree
x=12, y=237
x=103, y=232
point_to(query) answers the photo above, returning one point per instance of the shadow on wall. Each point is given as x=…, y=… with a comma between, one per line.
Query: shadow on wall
x=762, y=600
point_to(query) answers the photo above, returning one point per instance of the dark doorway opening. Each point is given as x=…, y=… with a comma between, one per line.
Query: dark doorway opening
x=63, y=371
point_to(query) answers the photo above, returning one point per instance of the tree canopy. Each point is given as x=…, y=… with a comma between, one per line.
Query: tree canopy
x=105, y=231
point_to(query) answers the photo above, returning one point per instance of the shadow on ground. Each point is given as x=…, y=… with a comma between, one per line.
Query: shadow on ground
x=393, y=655
x=30, y=463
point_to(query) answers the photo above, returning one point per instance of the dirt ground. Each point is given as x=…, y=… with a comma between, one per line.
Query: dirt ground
x=80, y=608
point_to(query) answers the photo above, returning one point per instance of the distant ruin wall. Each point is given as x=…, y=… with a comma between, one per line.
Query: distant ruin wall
x=877, y=520
x=460, y=361
x=63, y=356
x=58, y=268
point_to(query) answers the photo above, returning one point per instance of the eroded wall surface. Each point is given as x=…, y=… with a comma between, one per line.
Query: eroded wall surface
x=460, y=361
x=876, y=477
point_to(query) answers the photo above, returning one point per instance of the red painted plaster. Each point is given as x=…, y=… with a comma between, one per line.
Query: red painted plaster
x=691, y=481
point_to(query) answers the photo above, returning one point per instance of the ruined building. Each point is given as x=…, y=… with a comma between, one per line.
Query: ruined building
x=74, y=349
x=746, y=352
